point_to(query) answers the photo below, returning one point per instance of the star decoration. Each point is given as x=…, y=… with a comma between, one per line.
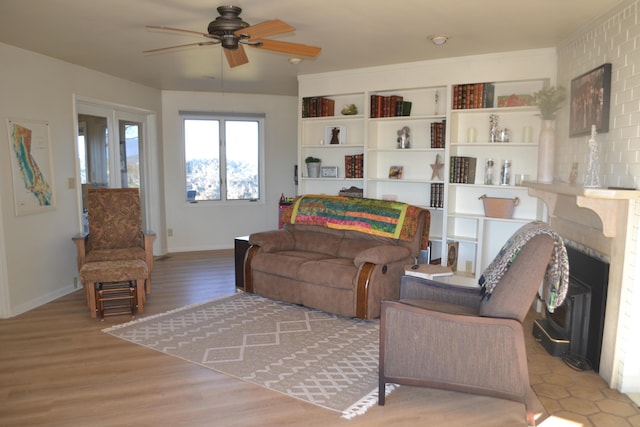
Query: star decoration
x=437, y=168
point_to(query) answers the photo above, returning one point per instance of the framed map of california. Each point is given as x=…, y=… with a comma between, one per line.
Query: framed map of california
x=31, y=166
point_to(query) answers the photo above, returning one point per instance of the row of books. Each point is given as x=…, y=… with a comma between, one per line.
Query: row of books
x=437, y=195
x=474, y=95
x=353, y=166
x=389, y=106
x=317, y=106
x=438, y=134
x=462, y=170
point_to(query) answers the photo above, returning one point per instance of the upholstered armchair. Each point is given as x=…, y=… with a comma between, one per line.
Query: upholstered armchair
x=451, y=337
x=115, y=229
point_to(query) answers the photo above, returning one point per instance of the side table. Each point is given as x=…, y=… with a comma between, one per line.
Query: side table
x=241, y=246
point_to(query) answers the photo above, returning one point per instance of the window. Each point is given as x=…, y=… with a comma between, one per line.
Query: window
x=222, y=157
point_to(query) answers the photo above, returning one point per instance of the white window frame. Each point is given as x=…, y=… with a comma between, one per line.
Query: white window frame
x=222, y=117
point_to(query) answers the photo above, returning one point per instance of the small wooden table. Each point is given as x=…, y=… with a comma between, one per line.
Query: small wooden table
x=241, y=246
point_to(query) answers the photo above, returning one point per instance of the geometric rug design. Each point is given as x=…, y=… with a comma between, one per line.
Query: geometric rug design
x=321, y=358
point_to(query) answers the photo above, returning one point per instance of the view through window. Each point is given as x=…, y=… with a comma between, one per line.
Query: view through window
x=222, y=158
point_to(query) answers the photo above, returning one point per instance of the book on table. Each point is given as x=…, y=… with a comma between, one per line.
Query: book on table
x=427, y=271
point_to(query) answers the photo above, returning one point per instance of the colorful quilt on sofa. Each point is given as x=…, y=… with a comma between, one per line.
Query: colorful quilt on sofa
x=378, y=217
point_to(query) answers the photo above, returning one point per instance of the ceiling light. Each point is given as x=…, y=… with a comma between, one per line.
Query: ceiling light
x=439, y=39
x=295, y=61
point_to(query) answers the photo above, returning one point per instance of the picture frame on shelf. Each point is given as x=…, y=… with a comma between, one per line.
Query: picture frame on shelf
x=395, y=172
x=340, y=135
x=329, y=172
x=590, y=101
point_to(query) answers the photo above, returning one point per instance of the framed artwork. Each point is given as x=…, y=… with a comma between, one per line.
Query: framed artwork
x=329, y=171
x=31, y=166
x=590, y=99
x=395, y=172
x=335, y=135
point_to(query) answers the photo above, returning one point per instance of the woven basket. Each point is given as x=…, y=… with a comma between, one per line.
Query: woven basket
x=496, y=207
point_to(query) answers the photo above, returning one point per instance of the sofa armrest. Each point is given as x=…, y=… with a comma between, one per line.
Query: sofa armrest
x=383, y=254
x=412, y=288
x=273, y=241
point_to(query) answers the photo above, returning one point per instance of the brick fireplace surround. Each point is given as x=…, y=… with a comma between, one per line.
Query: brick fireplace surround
x=602, y=220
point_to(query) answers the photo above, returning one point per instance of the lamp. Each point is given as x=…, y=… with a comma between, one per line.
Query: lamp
x=439, y=39
x=295, y=61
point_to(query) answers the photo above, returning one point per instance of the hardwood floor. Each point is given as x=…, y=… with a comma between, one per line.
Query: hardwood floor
x=58, y=369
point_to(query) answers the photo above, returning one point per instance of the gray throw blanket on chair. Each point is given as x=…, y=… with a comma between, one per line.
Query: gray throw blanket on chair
x=556, y=280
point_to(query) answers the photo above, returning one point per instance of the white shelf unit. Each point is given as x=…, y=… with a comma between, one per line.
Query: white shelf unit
x=462, y=216
x=428, y=105
x=480, y=237
x=315, y=142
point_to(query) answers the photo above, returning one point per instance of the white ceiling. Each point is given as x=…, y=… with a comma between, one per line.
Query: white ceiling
x=110, y=35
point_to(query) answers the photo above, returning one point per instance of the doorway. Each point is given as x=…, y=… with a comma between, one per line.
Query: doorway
x=110, y=147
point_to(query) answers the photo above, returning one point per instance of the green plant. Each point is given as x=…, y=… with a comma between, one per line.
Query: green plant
x=312, y=159
x=548, y=100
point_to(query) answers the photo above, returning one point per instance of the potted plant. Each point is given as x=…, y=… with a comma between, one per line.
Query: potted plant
x=548, y=100
x=313, y=166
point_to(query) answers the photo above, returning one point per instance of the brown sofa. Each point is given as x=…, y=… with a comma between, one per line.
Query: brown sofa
x=332, y=256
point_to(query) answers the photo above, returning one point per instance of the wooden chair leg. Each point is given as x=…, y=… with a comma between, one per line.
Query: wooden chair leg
x=141, y=294
x=90, y=290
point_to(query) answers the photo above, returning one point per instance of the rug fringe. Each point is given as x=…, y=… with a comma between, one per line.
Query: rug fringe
x=175, y=310
x=363, y=405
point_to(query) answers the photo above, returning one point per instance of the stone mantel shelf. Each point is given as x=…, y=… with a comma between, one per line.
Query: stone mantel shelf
x=605, y=202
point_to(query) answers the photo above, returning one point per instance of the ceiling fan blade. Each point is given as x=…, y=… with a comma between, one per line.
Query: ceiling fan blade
x=180, y=30
x=266, y=29
x=288, y=47
x=236, y=57
x=162, y=49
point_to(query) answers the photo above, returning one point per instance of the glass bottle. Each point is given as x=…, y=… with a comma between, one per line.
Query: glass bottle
x=505, y=173
x=488, y=172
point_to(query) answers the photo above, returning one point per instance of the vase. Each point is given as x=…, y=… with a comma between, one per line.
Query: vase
x=313, y=169
x=546, y=151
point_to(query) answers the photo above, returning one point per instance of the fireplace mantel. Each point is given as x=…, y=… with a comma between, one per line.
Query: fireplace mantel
x=602, y=220
x=606, y=203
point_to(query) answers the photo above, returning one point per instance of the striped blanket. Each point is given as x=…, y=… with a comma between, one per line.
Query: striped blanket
x=378, y=217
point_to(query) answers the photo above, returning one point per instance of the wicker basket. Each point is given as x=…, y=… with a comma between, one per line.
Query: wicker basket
x=496, y=207
x=351, y=192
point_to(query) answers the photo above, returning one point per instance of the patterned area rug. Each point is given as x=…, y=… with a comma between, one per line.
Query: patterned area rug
x=321, y=358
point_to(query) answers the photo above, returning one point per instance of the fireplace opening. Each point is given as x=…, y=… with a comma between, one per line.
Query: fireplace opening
x=574, y=330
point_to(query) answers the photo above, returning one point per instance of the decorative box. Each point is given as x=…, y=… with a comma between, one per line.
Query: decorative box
x=515, y=100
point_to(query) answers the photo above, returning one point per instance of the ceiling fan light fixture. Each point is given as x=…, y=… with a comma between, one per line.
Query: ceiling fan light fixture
x=295, y=61
x=439, y=39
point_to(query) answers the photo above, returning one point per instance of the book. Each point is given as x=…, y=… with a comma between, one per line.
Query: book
x=427, y=271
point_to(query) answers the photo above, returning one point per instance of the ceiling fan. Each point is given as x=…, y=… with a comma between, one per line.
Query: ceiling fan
x=231, y=32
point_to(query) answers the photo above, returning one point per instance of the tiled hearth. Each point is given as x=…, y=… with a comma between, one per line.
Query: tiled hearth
x=604, y=221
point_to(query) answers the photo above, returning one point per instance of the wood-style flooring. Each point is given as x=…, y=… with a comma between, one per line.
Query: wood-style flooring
x=58, y=369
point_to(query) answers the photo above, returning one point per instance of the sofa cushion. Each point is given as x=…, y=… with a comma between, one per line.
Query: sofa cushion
x=284, y=264
x=349, y=248
x=330, y=272
x=324, y=241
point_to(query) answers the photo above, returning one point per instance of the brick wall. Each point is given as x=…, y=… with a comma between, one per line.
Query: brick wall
x=613, y=38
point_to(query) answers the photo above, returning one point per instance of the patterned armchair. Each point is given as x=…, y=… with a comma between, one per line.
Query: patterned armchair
x=115, y=229
x=449, y=337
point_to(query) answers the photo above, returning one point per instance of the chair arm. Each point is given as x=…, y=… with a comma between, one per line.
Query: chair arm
x=81, y=242
x=384, y=254
x=148, y=238
x=418, y=288
x=273, y=240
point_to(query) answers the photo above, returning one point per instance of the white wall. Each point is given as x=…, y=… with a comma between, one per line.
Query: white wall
x=37, y=256
x=212, y=225
x=612, y=38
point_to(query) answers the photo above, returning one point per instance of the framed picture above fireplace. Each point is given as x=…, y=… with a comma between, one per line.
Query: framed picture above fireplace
x=590, y=98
